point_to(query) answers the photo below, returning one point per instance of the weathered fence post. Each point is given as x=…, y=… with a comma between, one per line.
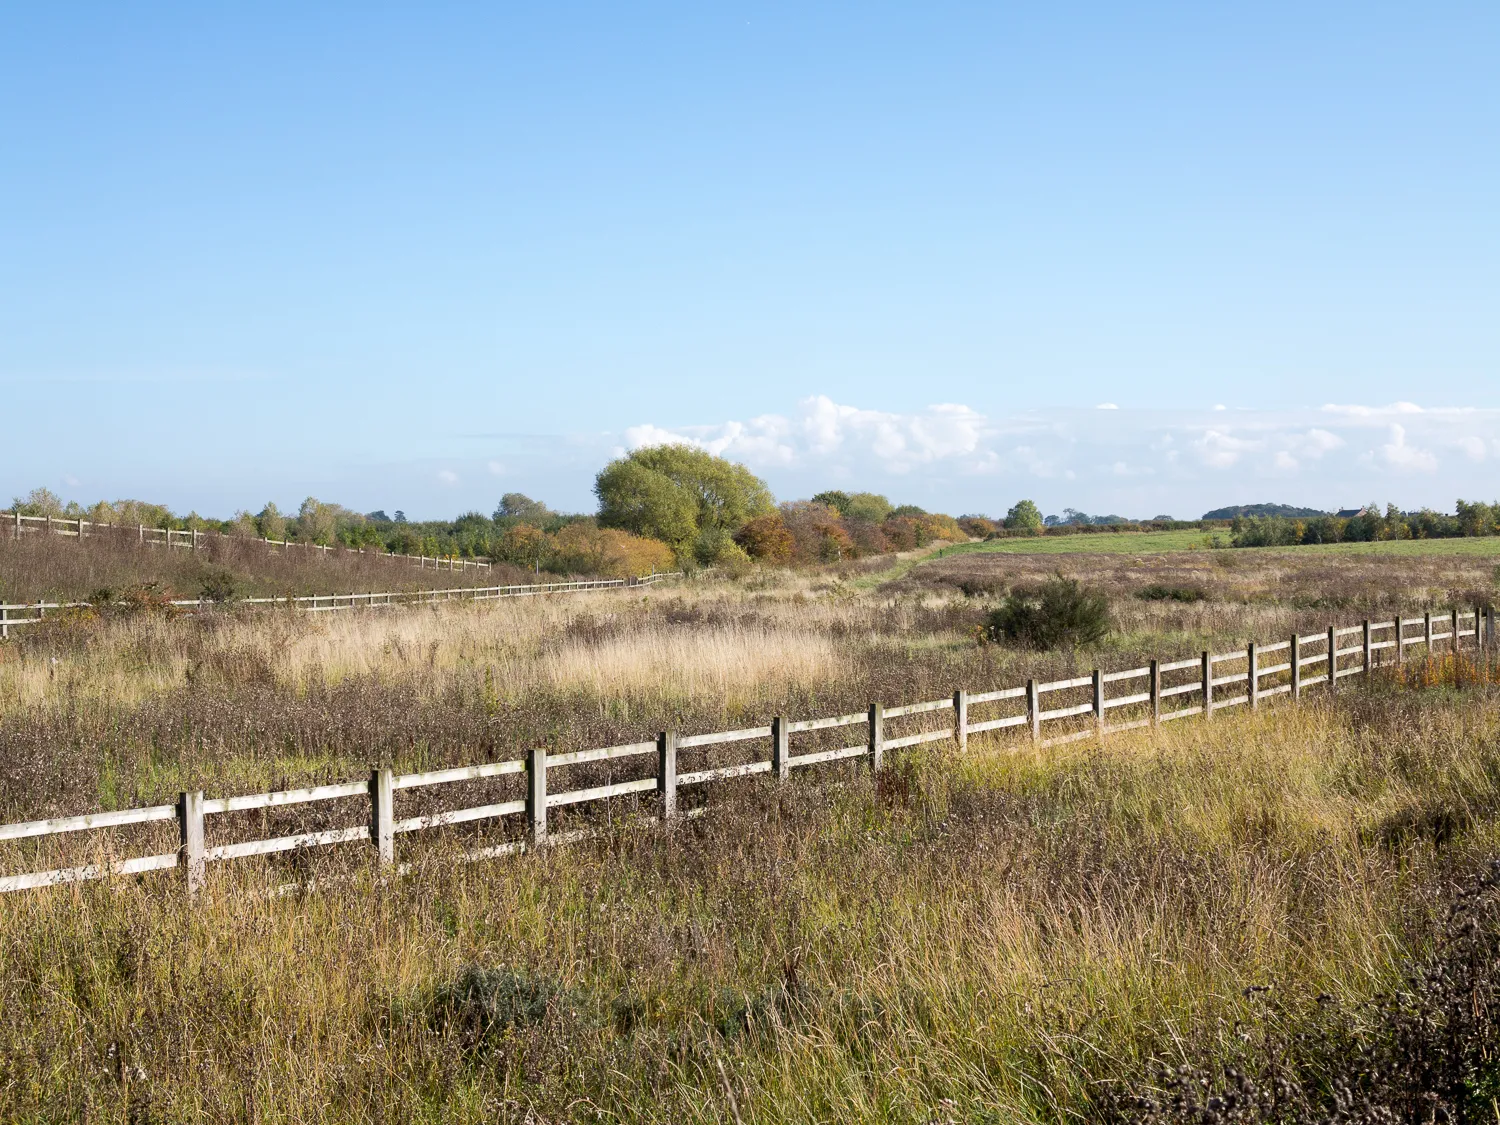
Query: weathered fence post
x=1427, y=635
x=1400, y=639
x=382, y=815
x=191, y=853
x=961, y=718
x=1252, y=675
x=1333, y=658
x=536, y=794
x=781, y=769
x=1033, y=711
x=1296, y=650
x=4, y=628
x=1155, y=690
x=1099, y=703
x=877, y=736
x=1368, y=651
x=1208, y=685
x=1453, y=632
x=666, y=773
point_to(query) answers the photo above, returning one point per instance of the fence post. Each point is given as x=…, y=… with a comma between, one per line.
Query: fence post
x=1033, y=711
x=961, y=718
x=4, y=628
x=536, y=794
x=1478, y=630
x=666, y=773
x=780, y=767
x=191, y=853
x=80, y=528
x=1333, y=658
x=382, y=815
x=877, y=736
x=1453, y=633
x=1369, y=653
x=18, y=524
x=1400, y=639
x=1427, y=636
x=1296, y=650
x=1155, y=690
x=1252, y=675
x=1208, y=685
x=1098, y=703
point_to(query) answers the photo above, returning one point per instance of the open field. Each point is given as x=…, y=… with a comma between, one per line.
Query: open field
x=1170, y=542
x=1007, y=935
x=47, y=567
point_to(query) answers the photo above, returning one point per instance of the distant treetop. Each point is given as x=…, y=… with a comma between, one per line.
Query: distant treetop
x=1262, y=510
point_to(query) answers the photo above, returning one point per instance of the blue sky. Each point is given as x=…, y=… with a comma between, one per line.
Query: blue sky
x=416, y=256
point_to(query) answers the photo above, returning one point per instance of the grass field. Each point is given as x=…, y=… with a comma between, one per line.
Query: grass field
x=1008, y=935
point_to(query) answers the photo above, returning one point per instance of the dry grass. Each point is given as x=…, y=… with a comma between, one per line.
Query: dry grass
x=1003, y=936
x=55, y=568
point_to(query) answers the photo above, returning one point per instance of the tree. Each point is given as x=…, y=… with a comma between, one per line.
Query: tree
x=636, y=498
x=727, y=494
x=271, y=522
x=675, y=492
x=833, y=498
x=869, y=506
x=766, y=539
x=38, y=502
x=519, y=506
x=1024, y=516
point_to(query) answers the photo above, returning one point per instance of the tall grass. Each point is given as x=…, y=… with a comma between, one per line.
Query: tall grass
x=1007, y=935
x=986, y=938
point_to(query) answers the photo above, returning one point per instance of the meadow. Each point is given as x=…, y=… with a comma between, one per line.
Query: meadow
x=1008, y=934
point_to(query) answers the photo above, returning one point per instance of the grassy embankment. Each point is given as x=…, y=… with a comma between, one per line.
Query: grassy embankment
x=1002, y=936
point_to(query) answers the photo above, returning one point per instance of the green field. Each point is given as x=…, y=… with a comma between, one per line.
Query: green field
x=1167, y=542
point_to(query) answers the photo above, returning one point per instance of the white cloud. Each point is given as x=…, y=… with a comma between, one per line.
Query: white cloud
x=1403, y=457
x=1373, y=411
x=1126, y=460
x=1219, y=449
x=447, y=476
x=1106, y=406
x=1220, y=406
x=496, y=468
x=1472, y=447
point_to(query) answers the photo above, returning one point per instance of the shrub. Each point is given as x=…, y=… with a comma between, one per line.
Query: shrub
x=1058, y=612
x=218, y=585
x=480, y=1003
x=766, y=540
x=1158, y=592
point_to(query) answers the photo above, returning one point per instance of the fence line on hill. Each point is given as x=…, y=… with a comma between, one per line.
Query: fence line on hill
x=191, y=810
x=194, y=539
x=324, y=603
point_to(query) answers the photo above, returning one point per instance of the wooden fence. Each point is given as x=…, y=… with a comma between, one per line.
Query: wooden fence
x=1156, y=684
x=19, y=525
x=324, y=603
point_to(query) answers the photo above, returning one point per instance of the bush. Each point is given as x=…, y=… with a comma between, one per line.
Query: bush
x=481, y=1003
x=1058, y=612
x=1157, y=592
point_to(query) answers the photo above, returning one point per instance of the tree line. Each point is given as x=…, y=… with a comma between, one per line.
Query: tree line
x=1369, y=525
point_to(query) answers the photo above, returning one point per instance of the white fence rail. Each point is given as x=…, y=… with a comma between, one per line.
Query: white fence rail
x=324, y=603
x=18, y=525
x=192, y=810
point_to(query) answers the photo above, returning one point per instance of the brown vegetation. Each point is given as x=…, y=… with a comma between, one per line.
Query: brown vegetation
x=1010, y=935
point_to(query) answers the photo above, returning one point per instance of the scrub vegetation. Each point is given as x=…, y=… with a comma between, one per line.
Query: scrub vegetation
x=1265, y=916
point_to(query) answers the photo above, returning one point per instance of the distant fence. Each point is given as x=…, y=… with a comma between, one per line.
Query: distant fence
x=19, y=525
x=324, y=603
x=1262, y=683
